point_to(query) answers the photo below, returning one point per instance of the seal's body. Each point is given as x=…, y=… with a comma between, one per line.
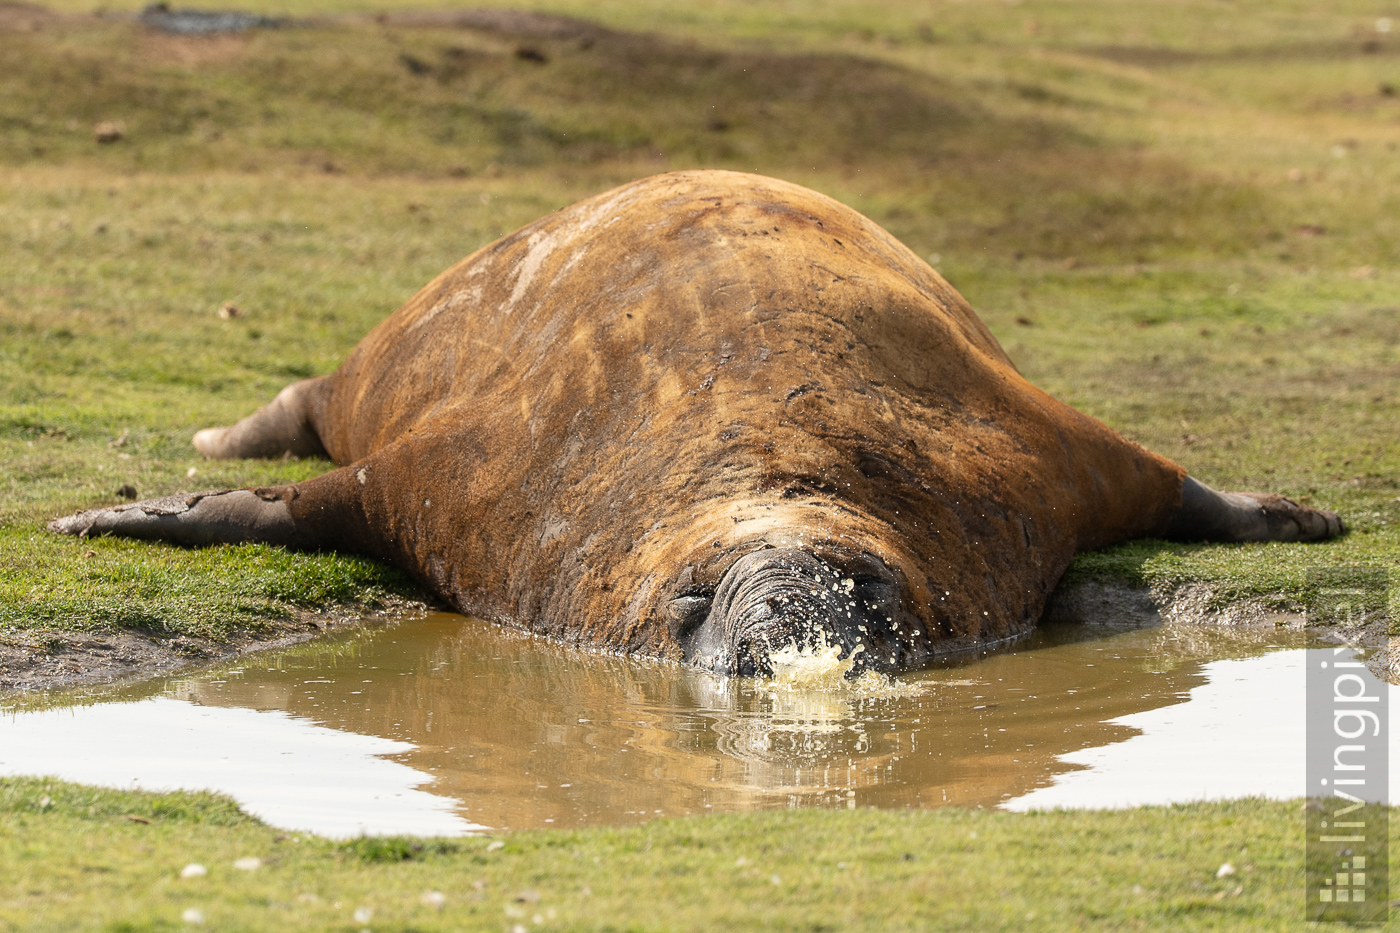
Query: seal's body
x=702, y=416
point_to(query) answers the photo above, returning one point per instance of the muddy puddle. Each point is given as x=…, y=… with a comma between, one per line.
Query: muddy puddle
x=446, y=725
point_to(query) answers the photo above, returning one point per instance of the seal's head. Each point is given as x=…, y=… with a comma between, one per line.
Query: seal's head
x=784, y=597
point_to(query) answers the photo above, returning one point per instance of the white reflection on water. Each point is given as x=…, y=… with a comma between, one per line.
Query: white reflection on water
x=284, y=770
x=1240, y=734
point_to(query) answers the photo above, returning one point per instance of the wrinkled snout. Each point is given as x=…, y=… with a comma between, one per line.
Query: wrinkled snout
x=789, y=597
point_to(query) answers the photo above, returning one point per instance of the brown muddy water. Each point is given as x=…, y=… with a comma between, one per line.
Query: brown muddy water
x=446, y=725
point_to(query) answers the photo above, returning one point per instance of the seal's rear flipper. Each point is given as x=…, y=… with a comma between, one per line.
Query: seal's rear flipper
x=1207, y=515
x=287, y=425
x=320, y=513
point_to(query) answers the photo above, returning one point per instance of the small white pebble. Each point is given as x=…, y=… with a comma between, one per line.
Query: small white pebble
x=363, y=914
x=193, y=915
x=191, y=473
x=193, y=870
x=434, y=899
x=496, y=846
x=250, y=863
x=1224, y=871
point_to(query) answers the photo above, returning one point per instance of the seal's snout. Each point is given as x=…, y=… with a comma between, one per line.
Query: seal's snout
x=788, y=597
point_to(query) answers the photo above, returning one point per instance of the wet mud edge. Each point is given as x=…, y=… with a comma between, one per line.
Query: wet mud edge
x=71, y=659
x=43, y=661
x=1100, y=602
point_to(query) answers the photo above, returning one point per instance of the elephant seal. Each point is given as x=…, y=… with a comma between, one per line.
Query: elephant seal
x=705, y=416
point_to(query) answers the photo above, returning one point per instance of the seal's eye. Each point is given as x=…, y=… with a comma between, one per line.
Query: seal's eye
x=878, y=595
x=686, y=613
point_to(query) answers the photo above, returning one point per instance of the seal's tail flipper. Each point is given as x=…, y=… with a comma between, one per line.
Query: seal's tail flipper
x=1207, y=515
x=285, y=426
x=321, y=513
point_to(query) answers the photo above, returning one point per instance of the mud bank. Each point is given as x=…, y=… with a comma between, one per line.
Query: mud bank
x=41, y=661
x=45, y=660
x=1098, y=602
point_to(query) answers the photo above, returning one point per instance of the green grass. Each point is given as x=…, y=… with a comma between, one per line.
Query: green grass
x=214, y=592
x=1131, y=197
x=73, y=857
x=1130, y=194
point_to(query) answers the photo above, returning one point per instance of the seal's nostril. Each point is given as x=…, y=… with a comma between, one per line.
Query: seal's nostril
x=688, y=607
x=752, y=660
x=686, y=613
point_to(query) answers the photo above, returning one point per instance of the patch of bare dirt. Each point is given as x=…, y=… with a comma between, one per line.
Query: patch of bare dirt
x=189, y=51
x=1097, y=603
x=1320, y=50
x=45, y=661
x=25, y=17
x=1197, y=605
x=518, y=23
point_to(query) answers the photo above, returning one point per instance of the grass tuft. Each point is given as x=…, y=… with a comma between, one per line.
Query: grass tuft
x=50, y=797
x=373, y=849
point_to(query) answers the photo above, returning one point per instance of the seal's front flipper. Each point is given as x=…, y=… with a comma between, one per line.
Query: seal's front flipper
x=319, y=514
x=1207, y=515
x=287, y=425
x=230, y=516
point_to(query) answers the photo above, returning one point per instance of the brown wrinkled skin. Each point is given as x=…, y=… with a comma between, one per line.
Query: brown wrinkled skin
x=569, y=427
